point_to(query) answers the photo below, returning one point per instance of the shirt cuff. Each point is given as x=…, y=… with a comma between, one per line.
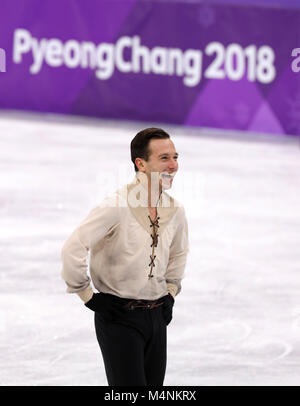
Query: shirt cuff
x=172, y=289
x=86, y=294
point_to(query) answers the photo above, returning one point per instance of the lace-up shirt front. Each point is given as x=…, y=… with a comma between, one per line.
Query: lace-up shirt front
x=131, y=254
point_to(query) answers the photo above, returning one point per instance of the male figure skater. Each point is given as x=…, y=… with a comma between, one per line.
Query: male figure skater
x=138, y=243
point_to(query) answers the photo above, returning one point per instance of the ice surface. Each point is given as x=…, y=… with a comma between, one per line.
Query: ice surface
x=237, y=319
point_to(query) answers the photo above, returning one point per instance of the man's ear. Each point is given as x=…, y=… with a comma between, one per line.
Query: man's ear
x=139, y=163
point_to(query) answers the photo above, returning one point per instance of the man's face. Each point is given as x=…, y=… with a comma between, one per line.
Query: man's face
x=162, y=160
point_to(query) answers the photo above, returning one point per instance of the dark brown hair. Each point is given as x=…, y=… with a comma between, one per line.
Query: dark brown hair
x=140, y=143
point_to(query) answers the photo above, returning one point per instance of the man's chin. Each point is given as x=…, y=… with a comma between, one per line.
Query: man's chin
x=166, y=180
x=166, y=186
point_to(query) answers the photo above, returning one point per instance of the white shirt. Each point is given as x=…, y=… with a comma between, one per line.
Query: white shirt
x=130, y=255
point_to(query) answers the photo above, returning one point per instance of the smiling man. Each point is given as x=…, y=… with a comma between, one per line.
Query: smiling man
x=138, y=243
x=159, y=164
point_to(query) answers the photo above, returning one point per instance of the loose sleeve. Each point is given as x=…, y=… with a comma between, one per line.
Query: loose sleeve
x=75, y=250
x=178, y=255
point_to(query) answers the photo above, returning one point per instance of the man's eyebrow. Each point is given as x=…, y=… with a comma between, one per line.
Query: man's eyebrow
x=176, y=153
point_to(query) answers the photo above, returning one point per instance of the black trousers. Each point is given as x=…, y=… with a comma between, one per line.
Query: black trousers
x=133, y=346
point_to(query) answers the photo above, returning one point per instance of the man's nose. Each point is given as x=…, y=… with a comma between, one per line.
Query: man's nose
x=173, y=164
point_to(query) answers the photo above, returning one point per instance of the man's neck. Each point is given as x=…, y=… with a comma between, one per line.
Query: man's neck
x=154, y=189
x=154, y=193
x=153, y=197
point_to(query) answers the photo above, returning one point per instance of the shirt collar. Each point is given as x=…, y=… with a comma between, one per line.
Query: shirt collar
x=137, y=201
x=139, y=191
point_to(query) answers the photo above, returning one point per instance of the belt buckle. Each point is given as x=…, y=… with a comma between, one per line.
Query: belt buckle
x=143, y=304
x=133, y=304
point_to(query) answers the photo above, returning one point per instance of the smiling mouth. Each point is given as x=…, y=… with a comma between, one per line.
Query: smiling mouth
x=167, y=175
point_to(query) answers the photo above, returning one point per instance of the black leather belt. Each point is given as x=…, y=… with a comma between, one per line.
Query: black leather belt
x=131, y=304
x=143, y=304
